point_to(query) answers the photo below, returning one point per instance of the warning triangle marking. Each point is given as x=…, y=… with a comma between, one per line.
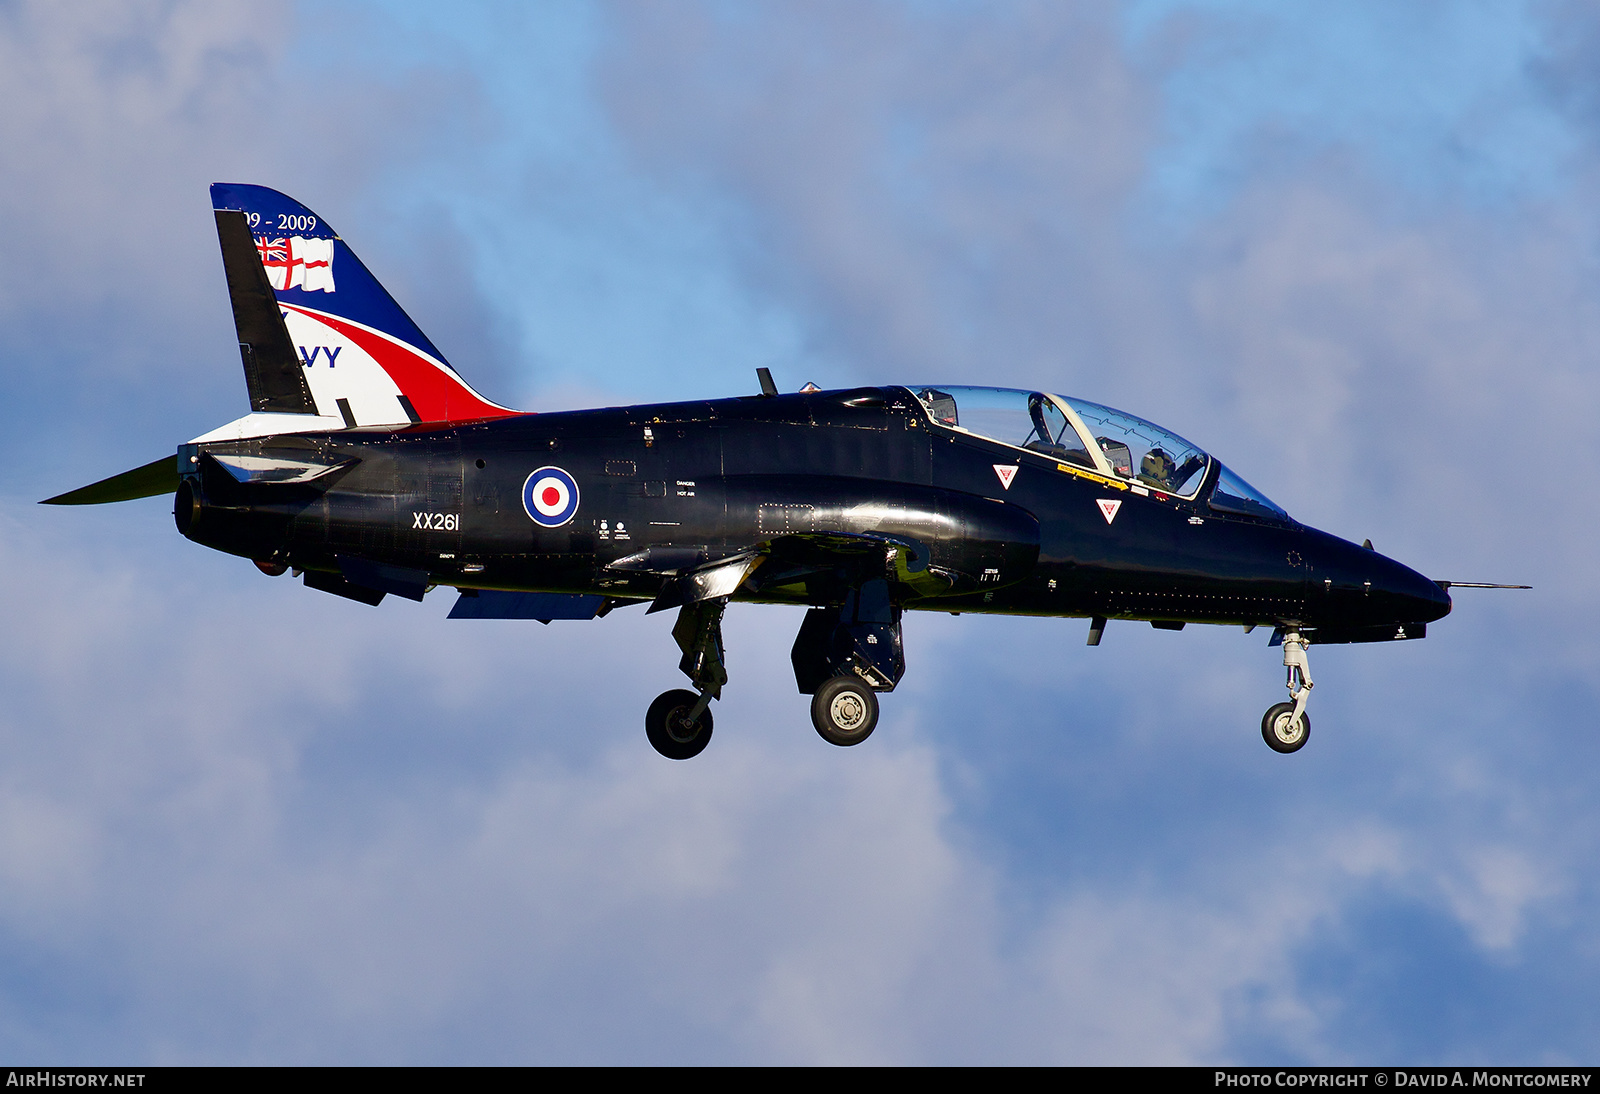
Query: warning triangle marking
x=1108, y=508
x=1007, y=472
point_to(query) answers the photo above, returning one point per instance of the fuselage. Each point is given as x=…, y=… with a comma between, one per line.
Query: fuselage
x=992, y=527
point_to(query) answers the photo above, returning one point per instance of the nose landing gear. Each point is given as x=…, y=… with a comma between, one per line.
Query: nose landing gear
x=1281, y=732
x=1286, y=727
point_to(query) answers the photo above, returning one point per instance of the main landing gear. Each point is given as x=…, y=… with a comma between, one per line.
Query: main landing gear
x=845, y=711
x=1286, y=727
x=678, y=723
x=843, y=656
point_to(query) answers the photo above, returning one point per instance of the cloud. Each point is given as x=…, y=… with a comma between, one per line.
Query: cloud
x=1439, y=100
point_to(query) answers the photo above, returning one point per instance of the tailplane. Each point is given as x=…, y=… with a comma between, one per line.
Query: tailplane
x=318, y=334
x=157, y=477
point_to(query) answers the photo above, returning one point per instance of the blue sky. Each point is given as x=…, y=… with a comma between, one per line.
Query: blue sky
x=1351, y=249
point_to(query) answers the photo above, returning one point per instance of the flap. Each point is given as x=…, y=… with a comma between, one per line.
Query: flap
x=493, y=604
x=720, y=578
x=382, y=577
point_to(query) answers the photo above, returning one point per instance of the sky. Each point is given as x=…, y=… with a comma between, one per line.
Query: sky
x=1351, y=249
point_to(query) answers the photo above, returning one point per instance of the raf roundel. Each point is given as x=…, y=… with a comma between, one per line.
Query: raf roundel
x=550, y=496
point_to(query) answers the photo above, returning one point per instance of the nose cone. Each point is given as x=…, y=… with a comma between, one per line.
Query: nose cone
x=1361, y=587
x=1414, y=598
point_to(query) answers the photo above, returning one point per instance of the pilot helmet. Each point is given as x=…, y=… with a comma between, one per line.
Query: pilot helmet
x=1156, y=466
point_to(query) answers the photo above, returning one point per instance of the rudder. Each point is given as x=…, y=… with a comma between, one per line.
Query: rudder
x=272, y=372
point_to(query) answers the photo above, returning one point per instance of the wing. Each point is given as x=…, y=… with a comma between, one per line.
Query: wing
x=692, y=575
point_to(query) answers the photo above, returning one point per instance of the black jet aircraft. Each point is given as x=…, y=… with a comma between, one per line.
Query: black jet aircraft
x=368, y=467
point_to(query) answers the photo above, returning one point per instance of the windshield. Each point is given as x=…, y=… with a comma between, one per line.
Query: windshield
x=1233, y=495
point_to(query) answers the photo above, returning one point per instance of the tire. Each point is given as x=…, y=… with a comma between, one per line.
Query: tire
x=663, y=724
x=845, y=711
x=1276, y=731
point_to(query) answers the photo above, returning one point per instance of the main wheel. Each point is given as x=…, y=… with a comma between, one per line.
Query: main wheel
x=844, y=710
x=1280, y=732
x=664, y=725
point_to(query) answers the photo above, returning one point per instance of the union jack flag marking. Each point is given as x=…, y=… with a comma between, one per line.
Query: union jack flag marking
x=294, y=262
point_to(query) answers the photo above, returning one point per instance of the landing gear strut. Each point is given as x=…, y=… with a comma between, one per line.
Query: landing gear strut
x=1286, y=727
x=679, y=722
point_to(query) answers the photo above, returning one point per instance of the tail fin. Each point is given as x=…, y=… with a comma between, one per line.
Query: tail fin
x=339, y=347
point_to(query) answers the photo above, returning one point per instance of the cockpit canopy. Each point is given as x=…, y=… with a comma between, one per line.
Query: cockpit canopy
x=1094, y=437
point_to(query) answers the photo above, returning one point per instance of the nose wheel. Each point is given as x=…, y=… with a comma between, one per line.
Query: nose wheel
x=1282, y=732
x=1286, y=727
